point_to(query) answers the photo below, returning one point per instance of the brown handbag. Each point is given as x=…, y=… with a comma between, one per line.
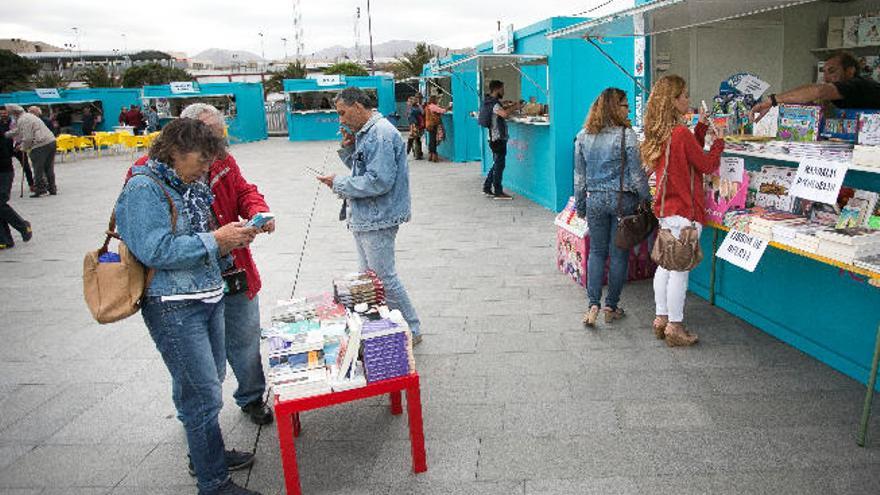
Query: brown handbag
x=113, y=291
x=684, y=253
x=635, y=228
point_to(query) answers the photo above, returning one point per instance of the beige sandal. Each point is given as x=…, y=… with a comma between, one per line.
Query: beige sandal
x=677, y=336
x=659, y=325
x=613, y=314
x=591, y=316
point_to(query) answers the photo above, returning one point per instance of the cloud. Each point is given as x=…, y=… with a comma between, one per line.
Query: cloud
x=195, y=25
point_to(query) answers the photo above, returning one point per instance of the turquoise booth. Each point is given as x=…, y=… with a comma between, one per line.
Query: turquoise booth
x=463, y=136
x=828, y=311
x=311, y=114
x=564, y=74
x=241, y=105
x=107, y=101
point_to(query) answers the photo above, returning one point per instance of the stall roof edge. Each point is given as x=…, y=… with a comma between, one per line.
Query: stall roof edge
x=545, y=25
x=669, y=15
x=480, y=57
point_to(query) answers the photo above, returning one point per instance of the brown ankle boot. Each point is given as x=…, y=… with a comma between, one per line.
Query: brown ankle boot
x=677, y=336
x=659, y=325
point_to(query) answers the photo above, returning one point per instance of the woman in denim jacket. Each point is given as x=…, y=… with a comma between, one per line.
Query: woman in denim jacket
x=183, y=306
x=597, y=169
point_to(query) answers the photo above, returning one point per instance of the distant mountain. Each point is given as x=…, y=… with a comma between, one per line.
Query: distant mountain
x=224, y=58
x=388, y=49
x=18, y=45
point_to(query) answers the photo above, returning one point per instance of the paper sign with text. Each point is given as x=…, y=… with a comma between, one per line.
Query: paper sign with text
x=742, y=250
x=179, y=87
x=819, y=180
x=47, y=92
x=731, y=168
x=329, y=80
x=751, y=85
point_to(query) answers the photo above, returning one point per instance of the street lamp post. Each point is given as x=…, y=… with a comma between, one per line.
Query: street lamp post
x=262, y=50
x=78, y=46
x=124, y=42
x=370, y=30
x=284, y=40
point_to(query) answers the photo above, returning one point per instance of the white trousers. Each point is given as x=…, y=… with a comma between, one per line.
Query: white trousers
x=670, y=288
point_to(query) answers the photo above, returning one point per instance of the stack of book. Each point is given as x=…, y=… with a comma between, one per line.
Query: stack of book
x=386, y=349
x=359, y=288
x=845, y=245
x=320, y=306
x=763, y=224
x=289, y=385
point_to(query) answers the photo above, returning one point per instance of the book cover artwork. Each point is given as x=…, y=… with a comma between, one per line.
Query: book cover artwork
x=869, y=31
x=851, y=31
x=799, y=122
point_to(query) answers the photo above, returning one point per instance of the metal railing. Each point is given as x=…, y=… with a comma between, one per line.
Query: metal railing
x=276, y=118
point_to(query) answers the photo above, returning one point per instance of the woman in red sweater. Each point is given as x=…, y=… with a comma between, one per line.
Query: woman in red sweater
x=665, y=133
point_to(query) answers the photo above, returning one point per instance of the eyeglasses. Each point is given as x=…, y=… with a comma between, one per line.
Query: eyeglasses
x=625, y=105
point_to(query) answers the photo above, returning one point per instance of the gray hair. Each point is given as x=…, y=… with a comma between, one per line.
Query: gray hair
x=14, y=109
x=351, y=95
x=35, y=110
x=196, y=110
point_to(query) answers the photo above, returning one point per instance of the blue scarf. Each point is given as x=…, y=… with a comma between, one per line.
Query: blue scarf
x=197, y=197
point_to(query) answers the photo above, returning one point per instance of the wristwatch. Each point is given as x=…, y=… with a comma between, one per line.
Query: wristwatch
x=773, y=101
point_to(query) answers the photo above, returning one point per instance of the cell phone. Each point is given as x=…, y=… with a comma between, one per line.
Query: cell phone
x=260, y=219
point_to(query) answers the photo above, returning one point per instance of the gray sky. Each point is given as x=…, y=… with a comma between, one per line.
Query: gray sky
x=194, y=25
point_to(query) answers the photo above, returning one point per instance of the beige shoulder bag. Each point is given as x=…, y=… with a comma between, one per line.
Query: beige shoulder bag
x=684, y=253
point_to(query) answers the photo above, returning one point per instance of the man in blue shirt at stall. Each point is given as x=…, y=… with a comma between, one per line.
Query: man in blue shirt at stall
x=498, y=112
x=376, y=192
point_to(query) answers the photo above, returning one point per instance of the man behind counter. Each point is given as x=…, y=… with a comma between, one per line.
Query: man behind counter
x=843, y=87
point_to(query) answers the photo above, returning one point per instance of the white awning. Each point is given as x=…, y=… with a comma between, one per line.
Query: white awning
x=663, y=16
x=487, y=61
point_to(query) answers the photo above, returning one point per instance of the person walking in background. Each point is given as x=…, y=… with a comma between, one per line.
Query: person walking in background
x=17, y=153
x=152, y=117
x=496, y=120
x=49, y=121
x=8, y=216
x=183, y=303
x=377, y=193
x=676, y=157
x=433, y=124
x=416, y=126
x=234, y=199
x=599, y=162
x=38, y=141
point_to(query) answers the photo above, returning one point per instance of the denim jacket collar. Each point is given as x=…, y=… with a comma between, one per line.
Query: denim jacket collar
x=375, y=117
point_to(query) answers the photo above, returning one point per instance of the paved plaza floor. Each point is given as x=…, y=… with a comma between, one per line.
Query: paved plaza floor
x=518, y=397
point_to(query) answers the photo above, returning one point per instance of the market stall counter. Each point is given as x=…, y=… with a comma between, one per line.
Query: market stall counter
x=240, y=103
x=311, y=114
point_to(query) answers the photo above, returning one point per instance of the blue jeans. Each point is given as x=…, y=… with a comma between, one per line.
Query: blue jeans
x=496, y=174
x=602, y=222
x=243, y=347
x=190, y=338
x=376, y=252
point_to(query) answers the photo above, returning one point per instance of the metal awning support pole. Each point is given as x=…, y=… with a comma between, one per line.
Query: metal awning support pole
x=516, y=68
x=468, y=86
x=622, y=69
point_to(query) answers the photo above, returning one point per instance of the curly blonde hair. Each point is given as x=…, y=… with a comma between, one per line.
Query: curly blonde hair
x=605, y=111
x=661, y=116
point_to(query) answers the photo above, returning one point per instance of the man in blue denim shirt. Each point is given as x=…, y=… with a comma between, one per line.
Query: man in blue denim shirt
x=377, y=192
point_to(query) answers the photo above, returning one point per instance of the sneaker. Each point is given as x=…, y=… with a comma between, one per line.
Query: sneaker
x=235, y=460
x=487, y=192
x=417, y=339
x=230, y=488
x=501, y=195
x=259, y=412
x=37, y=194
x=28, y=233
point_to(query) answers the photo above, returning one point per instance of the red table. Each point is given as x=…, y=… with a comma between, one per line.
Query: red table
x=287, y=420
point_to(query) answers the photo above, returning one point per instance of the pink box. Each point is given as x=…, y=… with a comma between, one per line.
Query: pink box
x=572, y=253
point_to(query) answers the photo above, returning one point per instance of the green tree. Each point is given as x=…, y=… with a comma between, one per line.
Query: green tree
x=151, y=74
x=15, y=71
x=346, y=69
x=98, y=77
x=150, y=55
x=48, y=80
x=275, y=84
x=410, y=63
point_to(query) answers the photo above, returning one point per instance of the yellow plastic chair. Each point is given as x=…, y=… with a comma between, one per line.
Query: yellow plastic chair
x=85, y=143
x=65, y=144
x=133, y=143
x=110, y=140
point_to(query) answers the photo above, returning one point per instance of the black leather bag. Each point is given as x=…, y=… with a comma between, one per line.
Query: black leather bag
x=635, y=228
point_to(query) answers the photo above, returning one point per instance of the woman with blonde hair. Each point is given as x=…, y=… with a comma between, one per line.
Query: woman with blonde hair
x=609, y=182
x=677, y=158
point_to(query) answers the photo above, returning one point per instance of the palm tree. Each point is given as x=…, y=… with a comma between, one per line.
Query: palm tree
x=410, y=63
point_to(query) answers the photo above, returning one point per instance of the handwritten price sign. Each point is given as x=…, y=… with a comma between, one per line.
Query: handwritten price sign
x=742, y=250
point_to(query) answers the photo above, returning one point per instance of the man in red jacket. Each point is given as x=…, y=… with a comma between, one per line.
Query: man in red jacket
x=236, y=198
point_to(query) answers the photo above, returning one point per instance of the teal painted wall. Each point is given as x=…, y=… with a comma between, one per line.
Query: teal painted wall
x=463, y=135
x=816, y=308
x=249, y=123
x=325, y=126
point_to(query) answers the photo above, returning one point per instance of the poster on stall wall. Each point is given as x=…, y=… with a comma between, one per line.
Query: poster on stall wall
x=742, y=250
x=819, y=180
x=851, y=31
x=869, y=31
x=502, y=40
